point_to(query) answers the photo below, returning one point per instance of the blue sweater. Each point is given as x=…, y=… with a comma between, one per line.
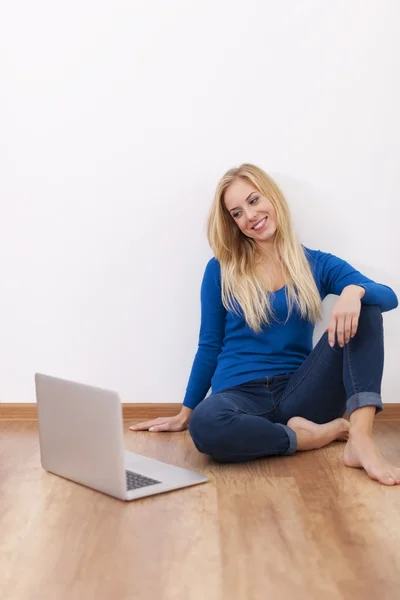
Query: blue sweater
x=230, y=353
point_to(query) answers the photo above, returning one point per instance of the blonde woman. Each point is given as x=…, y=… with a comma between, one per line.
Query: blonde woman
x=272, y=393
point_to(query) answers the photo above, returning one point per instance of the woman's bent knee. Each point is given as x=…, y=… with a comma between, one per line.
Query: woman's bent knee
x=370, y=311
x=196, y=425
x=370, y=320
x=208, y=422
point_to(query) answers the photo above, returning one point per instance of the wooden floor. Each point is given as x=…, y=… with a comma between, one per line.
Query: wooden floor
x=298, y=527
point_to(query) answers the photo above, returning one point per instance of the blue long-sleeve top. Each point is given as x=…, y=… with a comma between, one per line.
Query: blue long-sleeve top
x=230, y=353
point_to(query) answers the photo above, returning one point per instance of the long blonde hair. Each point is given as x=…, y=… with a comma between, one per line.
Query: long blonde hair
x=240, y=256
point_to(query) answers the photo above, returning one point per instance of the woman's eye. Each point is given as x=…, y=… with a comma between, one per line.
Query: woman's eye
x=254, y=200
x=236, y=215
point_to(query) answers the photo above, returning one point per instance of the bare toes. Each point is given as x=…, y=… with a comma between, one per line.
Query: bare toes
x=388, y=479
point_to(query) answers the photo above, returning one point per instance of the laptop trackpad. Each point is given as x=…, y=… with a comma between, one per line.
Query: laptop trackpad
x=148, y=467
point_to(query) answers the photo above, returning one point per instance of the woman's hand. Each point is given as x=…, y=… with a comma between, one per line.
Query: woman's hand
x=176, y=423
x=344, y=321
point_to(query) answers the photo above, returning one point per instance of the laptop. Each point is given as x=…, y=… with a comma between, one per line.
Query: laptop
x=81, y=439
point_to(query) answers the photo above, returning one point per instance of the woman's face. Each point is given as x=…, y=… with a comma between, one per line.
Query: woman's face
x=252, y=212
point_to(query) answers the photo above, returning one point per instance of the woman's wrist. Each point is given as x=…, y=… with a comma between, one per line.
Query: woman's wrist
x=185, y=413
x=358, y=289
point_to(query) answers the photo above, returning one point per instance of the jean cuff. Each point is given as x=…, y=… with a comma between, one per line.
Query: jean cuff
x=292, y=439
x=364, y=399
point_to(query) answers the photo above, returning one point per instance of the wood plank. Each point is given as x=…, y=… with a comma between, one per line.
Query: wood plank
x=145, y=411
x=302, y=526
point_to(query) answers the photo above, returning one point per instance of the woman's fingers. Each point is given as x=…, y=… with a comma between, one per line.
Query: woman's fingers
x=347, y=328
x=147, y=424
x=336, y=330
x=175, y=423
x=331, y=332
x=164, y=427
x=354, y=326
x=340, y=331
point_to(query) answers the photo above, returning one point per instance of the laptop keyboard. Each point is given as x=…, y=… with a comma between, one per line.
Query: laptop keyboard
x=135, y=481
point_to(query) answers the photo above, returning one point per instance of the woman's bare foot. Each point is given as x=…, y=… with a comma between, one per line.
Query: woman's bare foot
x=362, y=452
x=311, y=435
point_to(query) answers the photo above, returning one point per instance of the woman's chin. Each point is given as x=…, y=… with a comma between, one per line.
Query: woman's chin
x=266, y=236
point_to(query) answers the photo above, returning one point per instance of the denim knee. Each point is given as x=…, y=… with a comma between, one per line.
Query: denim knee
x=207, y=423
x=365, y=369
x=195, y=420
x=370, y=322
x=370, y=312
x=200, y=420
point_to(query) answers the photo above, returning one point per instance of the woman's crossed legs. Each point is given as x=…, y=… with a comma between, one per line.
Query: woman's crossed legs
x=303, y=410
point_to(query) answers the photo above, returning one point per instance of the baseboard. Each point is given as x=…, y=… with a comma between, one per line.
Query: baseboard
x=145, y=411
x=130, y=412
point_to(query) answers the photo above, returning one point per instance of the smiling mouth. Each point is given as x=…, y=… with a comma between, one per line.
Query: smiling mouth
x=260, y=224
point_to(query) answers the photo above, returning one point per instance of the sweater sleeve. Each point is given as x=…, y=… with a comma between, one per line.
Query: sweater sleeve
x=211, y=337
x=334, y=274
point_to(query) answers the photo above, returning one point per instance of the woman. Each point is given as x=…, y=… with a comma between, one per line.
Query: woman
x=261, y=295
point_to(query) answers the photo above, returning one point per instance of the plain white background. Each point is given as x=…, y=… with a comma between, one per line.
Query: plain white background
x=117, y=120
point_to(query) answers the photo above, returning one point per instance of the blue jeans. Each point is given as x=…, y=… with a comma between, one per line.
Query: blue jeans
x=248, y=421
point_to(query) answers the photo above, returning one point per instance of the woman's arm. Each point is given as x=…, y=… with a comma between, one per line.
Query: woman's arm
x=212, y=331
x=335, y=274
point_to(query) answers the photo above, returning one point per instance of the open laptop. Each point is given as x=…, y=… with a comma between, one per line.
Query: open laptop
x=81, y=439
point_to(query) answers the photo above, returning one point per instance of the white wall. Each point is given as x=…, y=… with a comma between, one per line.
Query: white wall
x=117, y=120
